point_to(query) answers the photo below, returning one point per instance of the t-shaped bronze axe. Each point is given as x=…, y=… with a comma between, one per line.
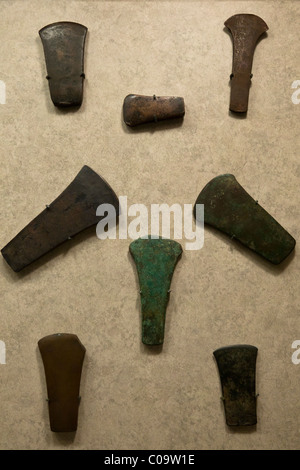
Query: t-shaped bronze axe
x=245, y=29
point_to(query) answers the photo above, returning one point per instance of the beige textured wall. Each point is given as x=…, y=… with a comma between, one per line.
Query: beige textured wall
x=134, y=397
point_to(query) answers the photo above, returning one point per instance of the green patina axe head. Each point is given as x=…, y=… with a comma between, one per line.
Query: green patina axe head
x=155, y=259
x=230, y=209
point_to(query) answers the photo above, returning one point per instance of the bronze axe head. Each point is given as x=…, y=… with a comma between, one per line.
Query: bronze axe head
x=63, y=44
x=230, y=209
x=245, y=29
x=141, y=109
x=155, y=259
x=62, y=355
x=71, y=212
x=237, y=370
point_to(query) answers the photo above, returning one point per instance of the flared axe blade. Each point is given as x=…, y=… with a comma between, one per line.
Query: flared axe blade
x=237, y=369
x=155, y=260
x=63, y=44
x=63, y=355
x=230, y=209
x=245, y=29
x=73, y=211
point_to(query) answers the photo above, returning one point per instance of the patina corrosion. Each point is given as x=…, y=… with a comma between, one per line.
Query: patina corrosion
x=63, y=44
x=237, y=369
x=71, y=212
x=62, y=355
x=245, y=29
x=155, y=260
x=140, y=109
x=230, y=209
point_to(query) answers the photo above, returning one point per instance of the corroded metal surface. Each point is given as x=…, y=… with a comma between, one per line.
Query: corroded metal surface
x=245, y=29
x=73, y=211
x=237, y=369
x=155, y=260
x=230, y=209
x=140, y=109
x=62, y=356
x=63, y=44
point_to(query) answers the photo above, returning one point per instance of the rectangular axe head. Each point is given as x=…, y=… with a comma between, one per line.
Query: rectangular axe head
x=141, y=109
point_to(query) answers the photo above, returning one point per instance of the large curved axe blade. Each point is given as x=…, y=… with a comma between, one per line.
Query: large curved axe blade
x=245, y=29
x=73, y=211
x=63, y=355
x=237, y=369
x=230, y=209
x=63, y=44
x=155, y=260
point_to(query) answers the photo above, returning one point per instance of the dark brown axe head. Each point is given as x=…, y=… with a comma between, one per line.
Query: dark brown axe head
x=245, y=29
x=62, y=356
x=237, y=369
x=71, y=212
x=141, y=109
x=63, y=44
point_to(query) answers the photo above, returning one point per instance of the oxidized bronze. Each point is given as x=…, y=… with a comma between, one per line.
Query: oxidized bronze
x=230, y=209
x=155, y=260
x=63, y=44
x=73, y=211
x=245, y=29
x=140, y=109
x=62, y=356
x=237, y=369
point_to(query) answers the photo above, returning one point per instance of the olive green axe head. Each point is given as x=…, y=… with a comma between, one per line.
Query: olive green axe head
x=230, y=209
